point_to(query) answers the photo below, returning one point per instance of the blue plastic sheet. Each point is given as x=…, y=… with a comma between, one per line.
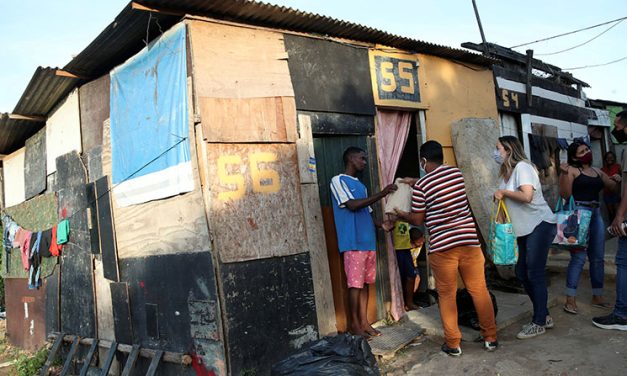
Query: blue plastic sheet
x=149, y=122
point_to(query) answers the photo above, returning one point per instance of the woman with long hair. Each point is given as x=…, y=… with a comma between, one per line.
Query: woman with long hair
x=534, y=226
x=584, y=183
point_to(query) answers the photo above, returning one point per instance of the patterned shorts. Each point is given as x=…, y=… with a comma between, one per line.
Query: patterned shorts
x=360, y=267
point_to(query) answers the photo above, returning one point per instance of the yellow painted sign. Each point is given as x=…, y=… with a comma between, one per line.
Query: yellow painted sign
x=395, y=79
x=264, y=180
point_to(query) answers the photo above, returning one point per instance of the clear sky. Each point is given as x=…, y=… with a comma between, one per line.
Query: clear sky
x=49, y=32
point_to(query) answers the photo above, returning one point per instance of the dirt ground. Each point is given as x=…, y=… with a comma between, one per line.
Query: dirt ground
x=573, y=347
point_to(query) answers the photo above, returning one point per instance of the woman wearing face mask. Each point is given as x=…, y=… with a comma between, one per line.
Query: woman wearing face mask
x=534, y=226
x=582, y=181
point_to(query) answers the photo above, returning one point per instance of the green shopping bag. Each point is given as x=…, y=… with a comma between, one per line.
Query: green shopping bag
x=502, y=247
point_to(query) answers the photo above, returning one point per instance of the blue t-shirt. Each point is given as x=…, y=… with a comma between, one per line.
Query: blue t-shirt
x=355, y=229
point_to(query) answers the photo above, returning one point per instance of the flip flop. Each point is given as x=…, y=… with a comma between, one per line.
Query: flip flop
x=570, y=309
x=374, y=333
x=603, y=305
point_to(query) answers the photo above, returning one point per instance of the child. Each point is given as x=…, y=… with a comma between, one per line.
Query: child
x=407, y=239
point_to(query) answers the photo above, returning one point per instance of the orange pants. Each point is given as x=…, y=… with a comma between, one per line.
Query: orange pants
x=470, y=263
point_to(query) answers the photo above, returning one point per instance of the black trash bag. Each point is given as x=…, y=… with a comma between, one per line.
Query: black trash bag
x=466, y=312
x=341, y=355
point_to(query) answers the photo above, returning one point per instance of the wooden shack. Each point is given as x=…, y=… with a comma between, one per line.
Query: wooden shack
x=194, y=163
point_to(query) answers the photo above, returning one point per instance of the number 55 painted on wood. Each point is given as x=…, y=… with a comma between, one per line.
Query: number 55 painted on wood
x=264, y=180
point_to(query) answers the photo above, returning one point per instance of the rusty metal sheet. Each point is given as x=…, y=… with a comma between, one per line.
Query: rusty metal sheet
x=256, y=210
x=26, y=319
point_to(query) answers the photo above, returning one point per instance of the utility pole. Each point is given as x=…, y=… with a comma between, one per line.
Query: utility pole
x=485, y=44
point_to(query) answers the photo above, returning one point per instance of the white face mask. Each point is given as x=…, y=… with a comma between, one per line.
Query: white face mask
x=498, y=158
x=422, y=168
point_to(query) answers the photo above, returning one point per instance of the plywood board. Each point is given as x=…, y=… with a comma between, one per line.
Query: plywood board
x=270, y=119
x=14, y=188
x=169, y=226
x=256, y=210
x=94, y=109
x=329, y=76
x=121, y=312
x=104, y=307
x=474, y=141
x=267, y=301
x=106, y=232
x=395, y=79
x=77, y=290
x=63, y=131
x=173, y=313
x=35, y=164
x=26, y=323
x=238, y=62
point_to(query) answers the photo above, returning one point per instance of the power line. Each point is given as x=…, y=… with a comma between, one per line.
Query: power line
x=586, y=42
x=570, y=32
x=597, y=65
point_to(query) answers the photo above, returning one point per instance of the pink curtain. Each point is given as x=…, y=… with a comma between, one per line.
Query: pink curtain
x=392, y=129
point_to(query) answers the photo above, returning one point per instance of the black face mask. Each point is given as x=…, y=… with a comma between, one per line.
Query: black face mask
x=619, y=135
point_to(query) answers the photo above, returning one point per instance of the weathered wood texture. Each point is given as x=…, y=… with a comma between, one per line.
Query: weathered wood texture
x=37, y=214
x=256, y=210
x=53, y=297
x=169, y=226
x=63, y=131
x=270, y=119
x=123, y=326
x=94, y=110
x=325, y=308
x=77, y=297
x=473, y=142
x=35, y=165
x=94, y=163
x=108, y=247
x=13, y=169
x=238, y=62
x=329, y=76
x=104, y=307
x=268, y=301
x=339, y=124
x=26, y=318
x=184, y=310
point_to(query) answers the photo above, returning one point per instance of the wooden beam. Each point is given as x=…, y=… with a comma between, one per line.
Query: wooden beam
x=169, y=12
x=27, y=117
x=62, y=73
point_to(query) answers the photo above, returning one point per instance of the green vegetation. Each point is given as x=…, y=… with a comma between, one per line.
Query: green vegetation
x=29, y=364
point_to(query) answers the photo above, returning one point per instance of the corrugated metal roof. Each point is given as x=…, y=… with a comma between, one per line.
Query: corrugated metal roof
x=43, y=92
x=14, y=133
x=128, y=33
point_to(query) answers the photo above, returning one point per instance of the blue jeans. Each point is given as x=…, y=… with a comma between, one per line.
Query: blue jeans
x=533, y=250
x=596, y=254
x=620, y=309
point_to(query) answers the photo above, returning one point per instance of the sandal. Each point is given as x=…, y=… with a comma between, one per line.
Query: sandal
x=603, y=305
x=570, y=308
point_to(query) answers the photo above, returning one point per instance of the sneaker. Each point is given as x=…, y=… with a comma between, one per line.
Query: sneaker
x=530, y=330
x=549, y=323
x=610, y=321
x=457, y=351
x=490, y=346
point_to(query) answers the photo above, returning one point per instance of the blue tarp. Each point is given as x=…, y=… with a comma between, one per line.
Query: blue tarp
x=149, y=122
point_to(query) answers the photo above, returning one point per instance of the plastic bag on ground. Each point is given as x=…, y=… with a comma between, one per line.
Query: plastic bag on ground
x=342, y=355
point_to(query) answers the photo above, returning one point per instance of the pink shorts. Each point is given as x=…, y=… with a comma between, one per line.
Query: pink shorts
x=360, y=267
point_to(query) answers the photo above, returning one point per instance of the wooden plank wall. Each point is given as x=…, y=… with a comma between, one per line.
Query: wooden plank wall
x=94, y=107
x=78, y=313
x=25, y=309
x=255, y=201
x=35, y=165
x=63, y=131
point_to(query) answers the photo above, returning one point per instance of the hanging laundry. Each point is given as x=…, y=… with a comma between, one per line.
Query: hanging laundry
x=46, y=241
x=22, y=238
x=34, y=282
x=10, y=228
x=563, y=143
x=55, y=249
x=63, y=231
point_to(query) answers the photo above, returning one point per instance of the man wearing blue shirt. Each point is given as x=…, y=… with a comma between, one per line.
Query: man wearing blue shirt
x=356, y=236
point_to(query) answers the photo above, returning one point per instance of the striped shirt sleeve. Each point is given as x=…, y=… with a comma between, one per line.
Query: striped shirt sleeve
x=418, y=204
x=340, y=191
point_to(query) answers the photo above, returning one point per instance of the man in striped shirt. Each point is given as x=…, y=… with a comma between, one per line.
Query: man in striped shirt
x=439, y=201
